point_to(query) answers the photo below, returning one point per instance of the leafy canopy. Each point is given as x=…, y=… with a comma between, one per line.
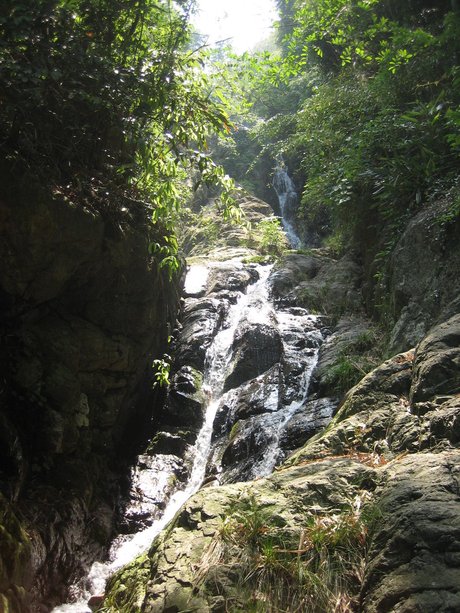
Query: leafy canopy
x=107, y=98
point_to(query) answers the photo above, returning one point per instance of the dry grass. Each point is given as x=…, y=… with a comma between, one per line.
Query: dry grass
x=316, y=568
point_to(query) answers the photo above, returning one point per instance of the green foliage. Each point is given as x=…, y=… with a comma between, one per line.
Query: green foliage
x=268, y=237
x=161, y=370
x=364, y=106
x=451, y=215
x=105, y=99
x=126, y=588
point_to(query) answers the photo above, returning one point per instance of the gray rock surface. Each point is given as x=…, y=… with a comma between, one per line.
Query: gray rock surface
x=347, y=333
x=414, y=561
x=257, y=347
x=423, y=280
x=84, y=310
x=319, y=283
x=393, y=444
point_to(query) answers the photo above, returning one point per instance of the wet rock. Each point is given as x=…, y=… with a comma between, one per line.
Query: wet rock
x=306, y=422
x=257, y=347
x=230, y=278
x=225, y=296
x=248, y=439
x=154, y=479
x=294, y=268
x=200, y=320
x=257, y=396
x=169, y=443
x=186, y=399
x=95, y=602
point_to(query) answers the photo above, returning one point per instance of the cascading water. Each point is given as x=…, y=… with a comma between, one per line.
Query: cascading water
x=251, y=403
x=293, y=325
x=288, y=201
x=253, y=304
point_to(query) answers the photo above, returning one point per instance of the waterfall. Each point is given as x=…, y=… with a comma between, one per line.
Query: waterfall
x=293, y=325
x=250, y=305
x=279, y=391
x=288, y=202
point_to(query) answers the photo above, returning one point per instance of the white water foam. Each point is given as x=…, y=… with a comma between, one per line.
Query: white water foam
x=252, y=306
x=288, y=200
x=292, y=326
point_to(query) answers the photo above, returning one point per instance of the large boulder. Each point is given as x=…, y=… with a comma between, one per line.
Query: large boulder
x=319, y=283
x=257, y=347
x=230, y=277
x=414, y=559
x=200, y=320
x=437, y=362
x=186, y=399
x=293, y=269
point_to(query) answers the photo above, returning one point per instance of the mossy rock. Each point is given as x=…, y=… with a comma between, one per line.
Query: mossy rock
x=126, y=588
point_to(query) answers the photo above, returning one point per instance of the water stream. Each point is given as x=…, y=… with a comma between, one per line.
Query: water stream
x=293, y=325
x=278, y=401
x=288, y=202
x=252, y=305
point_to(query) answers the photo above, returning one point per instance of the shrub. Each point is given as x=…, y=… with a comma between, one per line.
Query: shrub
x=268, y=237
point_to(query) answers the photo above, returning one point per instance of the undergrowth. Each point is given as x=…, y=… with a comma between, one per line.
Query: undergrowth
x=355, y=360
x=317, y=566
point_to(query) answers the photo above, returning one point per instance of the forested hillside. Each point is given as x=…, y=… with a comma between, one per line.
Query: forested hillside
x=362, y=103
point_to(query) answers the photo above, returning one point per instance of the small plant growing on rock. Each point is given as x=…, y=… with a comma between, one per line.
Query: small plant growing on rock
x=355, y=360
x=161, y=369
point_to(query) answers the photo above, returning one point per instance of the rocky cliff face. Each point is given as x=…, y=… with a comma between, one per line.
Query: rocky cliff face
x=369, y=505
x=84, y=310
x=358, y=513
x=423, y=284
x=362, y=515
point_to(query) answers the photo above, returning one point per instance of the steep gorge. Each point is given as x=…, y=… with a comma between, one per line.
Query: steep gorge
x=305, y=456
x=84, y=292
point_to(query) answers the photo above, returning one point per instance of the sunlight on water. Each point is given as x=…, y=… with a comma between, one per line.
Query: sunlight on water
x=252, y=305
x=196, y=279
x=292, y=327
